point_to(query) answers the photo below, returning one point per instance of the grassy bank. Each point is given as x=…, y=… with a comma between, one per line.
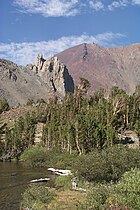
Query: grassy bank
x=97, y=166
x=124, y=195
x=111, y=177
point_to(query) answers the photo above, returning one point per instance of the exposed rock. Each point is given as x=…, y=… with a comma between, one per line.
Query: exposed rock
x=129, y=138
x=39, y=61
x=12, y=75
x=18, y=84
x=54, y=73
x=102, y=67
x=85, y=52
x=42, y=80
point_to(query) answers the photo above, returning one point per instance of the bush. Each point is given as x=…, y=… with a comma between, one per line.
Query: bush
x=63, y=182
x=38, y=156
x=118, y=161
x=91, y=167
x=96, y=198
x=36, y=197
x=35, y=156
x=123, y=195
x=127, y=191
x=107, y=165
x=4, y=106
x=64, y=160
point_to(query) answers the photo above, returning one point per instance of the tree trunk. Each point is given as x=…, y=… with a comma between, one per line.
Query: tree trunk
x=77, y=140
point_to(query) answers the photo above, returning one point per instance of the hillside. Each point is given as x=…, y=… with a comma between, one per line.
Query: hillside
x=104, y=67
x=36, y=81
x=18, y=85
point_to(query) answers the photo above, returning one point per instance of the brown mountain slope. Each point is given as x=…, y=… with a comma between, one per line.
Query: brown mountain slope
x=104, y=67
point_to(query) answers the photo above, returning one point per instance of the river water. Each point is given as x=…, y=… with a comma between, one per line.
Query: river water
x=14, y=179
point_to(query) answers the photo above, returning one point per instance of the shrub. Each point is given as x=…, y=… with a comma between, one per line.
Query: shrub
x=90, y=167
x=36, y=197
x=124, y=195
x=119, y=160
x=35, y=156
x=127, y=191
x=63, y=182
x=65, y=160
x=96, y=198
x=4, y=106
x=107, y=165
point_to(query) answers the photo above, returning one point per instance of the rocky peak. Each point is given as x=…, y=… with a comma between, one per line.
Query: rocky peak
x=54, y=73
x=39, y=61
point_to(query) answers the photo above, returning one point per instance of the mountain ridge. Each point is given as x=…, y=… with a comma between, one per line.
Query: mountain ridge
x=20, y=84
x=104, y=67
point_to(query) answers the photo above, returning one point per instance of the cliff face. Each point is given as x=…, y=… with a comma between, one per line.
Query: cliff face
x=54, y=73
x=104, y=67
x=40, y=80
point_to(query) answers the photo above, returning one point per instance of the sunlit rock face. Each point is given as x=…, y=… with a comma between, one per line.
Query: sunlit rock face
x=41, y=80
x=54, y=73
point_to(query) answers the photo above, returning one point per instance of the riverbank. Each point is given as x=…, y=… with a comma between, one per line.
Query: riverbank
x=14, y=179
x=123, y=195
x=102, y=171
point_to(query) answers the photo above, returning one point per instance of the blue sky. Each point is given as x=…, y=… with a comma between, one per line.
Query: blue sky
x=29, y=27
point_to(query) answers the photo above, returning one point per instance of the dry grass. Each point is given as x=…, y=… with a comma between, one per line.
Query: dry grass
x=67, y=200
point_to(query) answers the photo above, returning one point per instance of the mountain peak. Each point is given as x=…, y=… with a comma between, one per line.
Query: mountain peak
x=104, y=67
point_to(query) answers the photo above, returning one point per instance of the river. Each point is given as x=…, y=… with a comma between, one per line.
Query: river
x=14, y=179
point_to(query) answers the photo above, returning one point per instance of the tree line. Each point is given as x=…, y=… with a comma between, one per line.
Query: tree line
x=78, y=123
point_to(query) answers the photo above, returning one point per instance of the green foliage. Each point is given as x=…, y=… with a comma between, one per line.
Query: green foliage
x=118, y=160
x=107, y=165
x=127, y=191
x=63, y=160
x=35, y=156
x=21, y=135
x=36, y=197
x=96, y=198
x=38, y=156
x=91, y=167
x=116, y=91
x=123, y=195
x=78, y=124
x=63, y=182
x=134, y=110
x=4, y=106
x=30, y=102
